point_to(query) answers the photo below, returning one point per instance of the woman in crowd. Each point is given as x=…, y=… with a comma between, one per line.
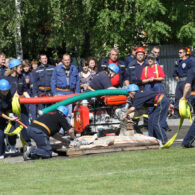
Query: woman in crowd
x=92, y=64
x=86, y=75
x=26, y=70
x=18, y=88
x=32, y=107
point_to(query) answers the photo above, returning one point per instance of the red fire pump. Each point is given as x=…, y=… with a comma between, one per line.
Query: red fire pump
x=100, y=115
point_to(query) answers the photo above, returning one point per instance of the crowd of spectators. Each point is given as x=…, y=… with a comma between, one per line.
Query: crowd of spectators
x=141, y=67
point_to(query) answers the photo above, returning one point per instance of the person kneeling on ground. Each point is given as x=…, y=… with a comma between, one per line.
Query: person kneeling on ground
x=45, y=126
x=158, y=114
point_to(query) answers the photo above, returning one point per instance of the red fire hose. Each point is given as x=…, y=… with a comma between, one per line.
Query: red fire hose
x=45, y=100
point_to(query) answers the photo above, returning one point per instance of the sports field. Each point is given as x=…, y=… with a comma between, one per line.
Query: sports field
x=142, y=172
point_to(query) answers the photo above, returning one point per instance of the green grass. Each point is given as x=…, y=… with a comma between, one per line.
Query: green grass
x=143, y=172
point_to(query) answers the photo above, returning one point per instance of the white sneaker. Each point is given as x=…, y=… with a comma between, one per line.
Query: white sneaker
x=54, y=154
x=2, y=157
x=13, y=150
x=26, y=153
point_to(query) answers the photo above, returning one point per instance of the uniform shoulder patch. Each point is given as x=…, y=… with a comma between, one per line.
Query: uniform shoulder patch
x=183, y=65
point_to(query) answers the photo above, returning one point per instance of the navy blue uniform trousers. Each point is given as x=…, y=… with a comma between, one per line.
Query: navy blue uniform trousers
x=178, y=94
x=2, y=142
x=156, y=120
x=157, y=87
x=190, y=136
x=44, y=148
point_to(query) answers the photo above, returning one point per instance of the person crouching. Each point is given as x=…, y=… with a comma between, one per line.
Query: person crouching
x=45, y=126
x=158, y=114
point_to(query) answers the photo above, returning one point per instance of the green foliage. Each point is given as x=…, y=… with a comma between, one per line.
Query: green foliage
x=7, y=26
x=187, y=33
x=90, y=27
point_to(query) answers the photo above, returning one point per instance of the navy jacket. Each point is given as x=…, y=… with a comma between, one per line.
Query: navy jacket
x=2, y=71
x=123, y=75
x=17, y=84
x=5, y=103
x=58, y=79
x=42, y=77
x=129, y=59
x=182, y=68
x=135, y=72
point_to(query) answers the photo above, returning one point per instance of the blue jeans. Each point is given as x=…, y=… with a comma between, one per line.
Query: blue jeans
x=44, y=148
x=156, y=120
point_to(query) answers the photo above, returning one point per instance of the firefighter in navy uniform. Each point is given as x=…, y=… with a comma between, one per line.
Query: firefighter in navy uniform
x=190, y=85
x=18, y=88
x=152, y=76
x=5, y=105
x=159, y=114
x=102, y=80
x=121, y=78
x=42, y=79
x=180, y=73
x=44, y=127
x=136, y=67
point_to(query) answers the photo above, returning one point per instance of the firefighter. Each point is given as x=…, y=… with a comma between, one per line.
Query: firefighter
x=156, y=52
x=18, y=88
x=190, y=85
x=121, y=78
x=65, y=80
x=159, y=114
x=5, y=105
x=44, y=127
x=102, y=79
x=180, y=73
x=136, y=67
x=152, y=77
x=42, y=79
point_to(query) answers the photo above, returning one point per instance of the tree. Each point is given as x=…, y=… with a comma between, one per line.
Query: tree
x=90, y=27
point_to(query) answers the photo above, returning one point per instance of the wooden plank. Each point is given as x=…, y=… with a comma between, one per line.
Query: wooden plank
x=58, y=147
x=108, y=149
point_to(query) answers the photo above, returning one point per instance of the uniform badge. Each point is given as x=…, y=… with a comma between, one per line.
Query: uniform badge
x=183, y=65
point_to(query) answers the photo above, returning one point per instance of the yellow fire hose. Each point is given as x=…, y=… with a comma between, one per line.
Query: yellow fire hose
x=17, y=110
x=184, y=111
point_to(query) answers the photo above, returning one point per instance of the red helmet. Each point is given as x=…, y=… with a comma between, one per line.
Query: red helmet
x=188, y=52
x=140, y=49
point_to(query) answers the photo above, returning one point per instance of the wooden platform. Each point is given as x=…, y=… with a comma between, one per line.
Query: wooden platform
x=72, y=152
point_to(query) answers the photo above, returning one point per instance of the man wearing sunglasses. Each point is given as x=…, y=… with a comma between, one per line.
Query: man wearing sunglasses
x=180, y=74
